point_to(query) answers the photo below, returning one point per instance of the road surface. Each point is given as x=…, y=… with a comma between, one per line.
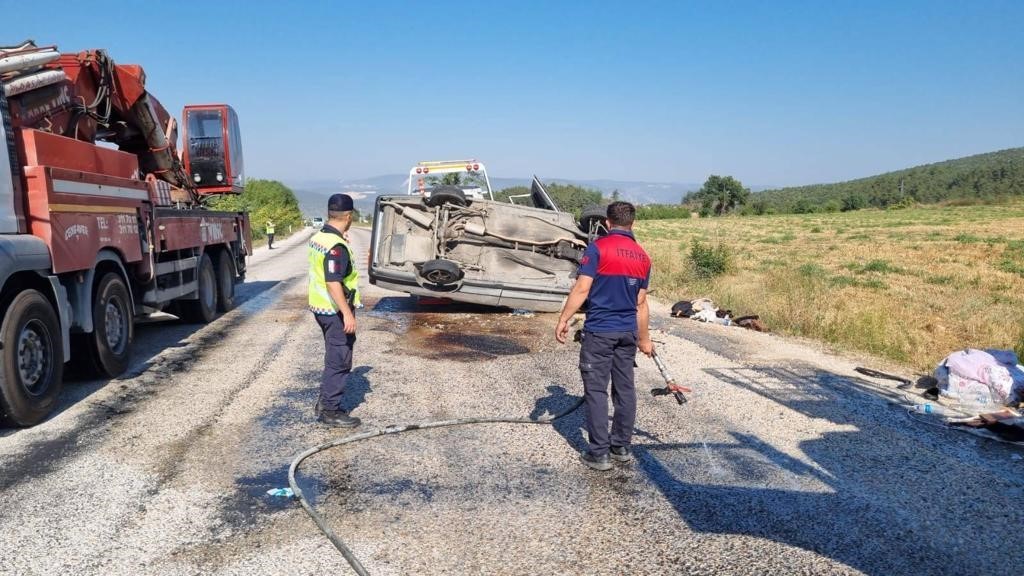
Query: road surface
x=783, y=462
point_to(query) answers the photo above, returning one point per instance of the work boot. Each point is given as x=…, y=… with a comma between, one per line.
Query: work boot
x=338, y=419
x=599, y=463
x=620, y=454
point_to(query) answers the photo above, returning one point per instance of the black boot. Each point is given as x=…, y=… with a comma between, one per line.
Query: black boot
x=338, y=419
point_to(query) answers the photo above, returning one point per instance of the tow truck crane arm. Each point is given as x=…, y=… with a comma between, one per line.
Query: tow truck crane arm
x=104, y=101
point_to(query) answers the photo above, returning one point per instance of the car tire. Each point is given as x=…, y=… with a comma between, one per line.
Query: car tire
x=203, y=309
x=441, y=272
x=591, y=215
x=225, y=283
x=113, y=321
x=446, y=195
x=32, y=359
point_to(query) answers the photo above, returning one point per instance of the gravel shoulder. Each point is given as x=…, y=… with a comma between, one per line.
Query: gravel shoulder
x=784, y=461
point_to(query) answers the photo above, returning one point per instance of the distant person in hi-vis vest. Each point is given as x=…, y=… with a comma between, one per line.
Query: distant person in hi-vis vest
x=333, y=298
x=270, y=235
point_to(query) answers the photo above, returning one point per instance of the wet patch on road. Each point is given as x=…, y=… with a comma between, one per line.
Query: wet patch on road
x=468, y=337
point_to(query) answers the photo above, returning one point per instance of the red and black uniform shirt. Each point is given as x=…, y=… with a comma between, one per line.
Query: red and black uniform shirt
x=620, y=269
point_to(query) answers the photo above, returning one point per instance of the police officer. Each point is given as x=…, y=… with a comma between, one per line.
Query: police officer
x=270, y=235
x=613, y=278
x=333, y=296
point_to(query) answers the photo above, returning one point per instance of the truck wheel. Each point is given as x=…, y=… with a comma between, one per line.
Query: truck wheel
x=32, y=359
x=204, y=309
x=113, y=322
x=225, y=283
x=441, y=272
x=446, y=194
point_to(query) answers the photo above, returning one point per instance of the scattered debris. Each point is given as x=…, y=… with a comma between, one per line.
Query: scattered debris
x=281, y=493
x=1005, y=424
x=979, y=380
x=704, y=310
x=521, y=312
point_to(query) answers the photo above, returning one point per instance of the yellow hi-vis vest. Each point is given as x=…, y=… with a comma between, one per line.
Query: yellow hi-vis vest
x=320, y=301
x=270, y=228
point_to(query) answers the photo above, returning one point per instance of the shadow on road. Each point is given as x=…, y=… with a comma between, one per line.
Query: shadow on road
x=151, y=340
x=569, y=427
x=879, y=498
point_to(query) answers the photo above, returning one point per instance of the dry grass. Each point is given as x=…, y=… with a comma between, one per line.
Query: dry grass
x=910, y=285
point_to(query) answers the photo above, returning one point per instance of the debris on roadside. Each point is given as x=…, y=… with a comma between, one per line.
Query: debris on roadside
x=1005, y=424
x=975, y=391
x=704, y=310
x=281, y=493
x=521, y=312
x=981, y=380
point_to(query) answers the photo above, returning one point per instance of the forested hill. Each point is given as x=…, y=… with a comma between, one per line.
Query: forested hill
x=982, y=177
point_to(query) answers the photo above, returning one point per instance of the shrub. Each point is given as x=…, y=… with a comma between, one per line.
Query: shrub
x=1013, y=258
x=709, y=261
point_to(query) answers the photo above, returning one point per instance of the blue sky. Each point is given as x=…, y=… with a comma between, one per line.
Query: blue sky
x=770, y=92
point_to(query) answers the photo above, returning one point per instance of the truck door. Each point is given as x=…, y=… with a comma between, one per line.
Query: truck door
x=8, y=161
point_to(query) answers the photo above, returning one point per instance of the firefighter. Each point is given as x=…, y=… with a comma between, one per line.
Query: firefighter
x=270, y=235
x=613, y=278
x=333, y=298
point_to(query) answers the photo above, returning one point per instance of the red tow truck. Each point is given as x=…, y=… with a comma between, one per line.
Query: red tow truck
x=101, y=219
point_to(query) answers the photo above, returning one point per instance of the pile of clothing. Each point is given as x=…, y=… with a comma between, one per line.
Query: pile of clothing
x=704, y=310
x=979, y=380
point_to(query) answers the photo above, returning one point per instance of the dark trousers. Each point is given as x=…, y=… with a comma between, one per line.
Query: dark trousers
x=337, y=360
x=270, y=240
x=604, y=356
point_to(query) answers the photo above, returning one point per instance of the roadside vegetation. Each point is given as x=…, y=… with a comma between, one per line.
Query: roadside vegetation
x=568, y=197
x=911, y=285
x=266, y=200
x=978, y=179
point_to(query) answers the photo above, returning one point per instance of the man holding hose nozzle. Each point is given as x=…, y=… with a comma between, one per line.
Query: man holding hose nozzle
x=613, y=278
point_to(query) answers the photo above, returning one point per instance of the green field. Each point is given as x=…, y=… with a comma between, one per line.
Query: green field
x=910, y=285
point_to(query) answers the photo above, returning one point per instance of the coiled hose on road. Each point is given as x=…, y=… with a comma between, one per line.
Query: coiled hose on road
x=322, y=523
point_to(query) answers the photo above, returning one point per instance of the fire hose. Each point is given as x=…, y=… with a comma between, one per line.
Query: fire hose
x=321, y=522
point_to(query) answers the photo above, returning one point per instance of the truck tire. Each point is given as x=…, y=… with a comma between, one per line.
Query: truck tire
x=446, y=195
x=225, y=283
x=592, y=215
x=441, y=272
x=32, y=359
x=113, y=321
x=204, y=309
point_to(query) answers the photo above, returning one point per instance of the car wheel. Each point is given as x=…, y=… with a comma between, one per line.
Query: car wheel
x=441, y=272
x=32, y=359
x=592, y=215
x=113, y=327
x=204, y=309
x=446, y=195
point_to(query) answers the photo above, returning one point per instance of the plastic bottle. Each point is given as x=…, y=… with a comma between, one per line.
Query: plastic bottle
x=929, y=408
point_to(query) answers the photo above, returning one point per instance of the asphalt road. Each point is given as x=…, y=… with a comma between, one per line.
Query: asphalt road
x=783, y=462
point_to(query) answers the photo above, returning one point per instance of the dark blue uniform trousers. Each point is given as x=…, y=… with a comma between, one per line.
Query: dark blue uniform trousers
x=337, y=360
x=604, y=356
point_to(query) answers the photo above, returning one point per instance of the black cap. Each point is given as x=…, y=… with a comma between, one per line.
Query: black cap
x=340, y=203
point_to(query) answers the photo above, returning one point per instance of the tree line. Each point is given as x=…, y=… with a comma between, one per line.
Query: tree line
x=266, y=201
x=981, y=178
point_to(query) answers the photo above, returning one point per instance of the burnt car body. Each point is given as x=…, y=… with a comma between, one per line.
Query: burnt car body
x=477, y=250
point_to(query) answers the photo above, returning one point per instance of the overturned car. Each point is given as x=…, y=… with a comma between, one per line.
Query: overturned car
x=478, y=250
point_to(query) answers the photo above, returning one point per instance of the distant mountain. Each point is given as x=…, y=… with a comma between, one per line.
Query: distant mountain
x=313, y=194
x=980, y=177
